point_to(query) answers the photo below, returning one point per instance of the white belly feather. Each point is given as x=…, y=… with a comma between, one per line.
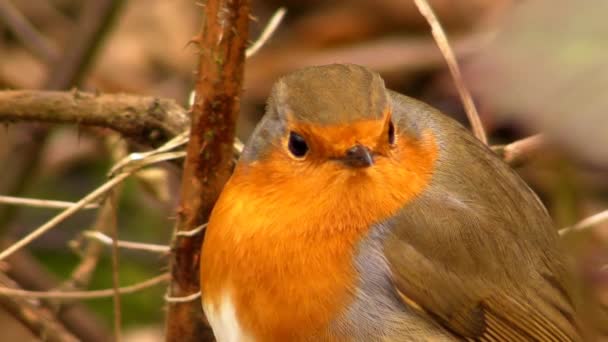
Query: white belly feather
x=223, y=321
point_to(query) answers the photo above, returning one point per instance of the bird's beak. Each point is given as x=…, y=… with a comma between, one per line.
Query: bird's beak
x=358, y=156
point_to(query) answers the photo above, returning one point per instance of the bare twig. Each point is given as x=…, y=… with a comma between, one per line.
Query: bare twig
x=40, y=321
x=588, y=222
x=81, y=275
x=115, y=267
x=137, y=246
x=192, y=232
x=520, y=151
x=27, y=33
x=92, y=294
x=145, y=119
x=100, y=191
x=272, y=25
x=443, y=44
x=95, y=21
x=40, y=203
x=184, y=299
x=222, y=44
x=26, y=271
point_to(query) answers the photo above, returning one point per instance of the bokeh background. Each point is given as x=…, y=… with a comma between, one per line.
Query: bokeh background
x=532, y=66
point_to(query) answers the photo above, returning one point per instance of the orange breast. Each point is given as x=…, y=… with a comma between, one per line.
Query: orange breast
x=281, y=239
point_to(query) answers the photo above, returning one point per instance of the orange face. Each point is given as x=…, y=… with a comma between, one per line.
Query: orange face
x=282, y=237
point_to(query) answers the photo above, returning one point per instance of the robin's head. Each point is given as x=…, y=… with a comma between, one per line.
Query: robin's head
x=336, y=114
x=334, y=145
x=332, y=141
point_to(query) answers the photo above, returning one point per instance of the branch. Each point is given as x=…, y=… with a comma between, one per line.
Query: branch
x=145, y=119
x=40, y=203
x=26, y=271
x=272, y=25
x=82, y=273
x=443, y=44
x=586, y=223
x=222, y=44
x=40, y=321
x=95, y=21
x=27, y=33
x=92, y=294
x=521, y=151
x=130, y=245
x=95, y=194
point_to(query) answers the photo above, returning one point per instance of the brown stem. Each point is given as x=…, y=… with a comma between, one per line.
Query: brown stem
x=147, y=120
x=40, y=321
x=95, y=21
x=519, y=152
x=29, y=274
x=222, y=43
x=82, y=273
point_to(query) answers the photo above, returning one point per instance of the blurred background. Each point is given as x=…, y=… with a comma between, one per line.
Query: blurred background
x=532, y=66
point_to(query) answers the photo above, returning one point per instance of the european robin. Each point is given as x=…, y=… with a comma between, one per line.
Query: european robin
x=359, y=214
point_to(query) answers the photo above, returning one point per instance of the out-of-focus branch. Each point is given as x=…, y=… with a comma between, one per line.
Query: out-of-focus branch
x=222, y=43
x=91, y=294
x=52, y=223
x=588, y=222
x=272, y=25
x=443, y=44
x=26, y=271
x=96, y=20
x=27, y=33
x=145, y=119
x=130, y=245
x=40, y=321
x=521, y=151
x=82, y=273
x=40, y=203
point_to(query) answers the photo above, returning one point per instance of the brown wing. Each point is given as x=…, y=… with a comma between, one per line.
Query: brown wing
x=477, y=251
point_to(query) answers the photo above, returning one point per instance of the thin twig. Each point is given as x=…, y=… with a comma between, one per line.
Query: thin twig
x=588, y=222
x=443, y=44
x=520, y=151
x=193, y=232
x=40, y=203
x=103, y=189
x=137, y=246
x=115, y=267
x=82, y=273
x=27, y=271
x=137, y=157
x=92, y=294
x=184, y=299
x=270, y=28
x=39, y=320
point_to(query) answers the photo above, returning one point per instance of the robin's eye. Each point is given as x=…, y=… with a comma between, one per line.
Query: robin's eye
x=391, y=133
x=297, y=145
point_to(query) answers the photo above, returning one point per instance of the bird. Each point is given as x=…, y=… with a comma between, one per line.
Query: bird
x=356, y=213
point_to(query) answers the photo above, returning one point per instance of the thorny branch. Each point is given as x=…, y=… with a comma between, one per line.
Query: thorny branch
x=222, y=43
